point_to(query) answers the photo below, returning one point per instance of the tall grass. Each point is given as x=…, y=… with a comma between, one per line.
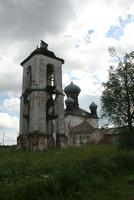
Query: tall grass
x=94, y=173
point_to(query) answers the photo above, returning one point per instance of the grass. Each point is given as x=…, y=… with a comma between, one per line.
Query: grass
x=85, y=173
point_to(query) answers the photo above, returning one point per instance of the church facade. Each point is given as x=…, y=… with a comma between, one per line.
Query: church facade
x=79, y=124
x=44, y=123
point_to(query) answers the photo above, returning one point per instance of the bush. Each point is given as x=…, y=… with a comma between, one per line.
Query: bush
x=126, y=138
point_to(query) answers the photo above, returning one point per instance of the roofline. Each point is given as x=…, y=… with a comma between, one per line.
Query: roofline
x=40, y=53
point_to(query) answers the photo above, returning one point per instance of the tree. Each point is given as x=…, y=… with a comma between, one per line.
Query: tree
x=117, y=99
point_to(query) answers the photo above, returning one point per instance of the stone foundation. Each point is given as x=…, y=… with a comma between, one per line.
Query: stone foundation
x=40, y=141
x=35, y=141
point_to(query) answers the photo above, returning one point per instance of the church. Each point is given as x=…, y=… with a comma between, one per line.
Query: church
x=44, y=120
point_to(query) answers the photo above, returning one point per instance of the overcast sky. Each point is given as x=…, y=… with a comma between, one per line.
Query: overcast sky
x=79, y=31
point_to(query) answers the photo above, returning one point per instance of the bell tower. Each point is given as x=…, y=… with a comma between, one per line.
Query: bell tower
x=42, y=107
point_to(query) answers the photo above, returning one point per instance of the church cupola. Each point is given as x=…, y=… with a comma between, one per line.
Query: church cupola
x=73, y=91
x=93, y=108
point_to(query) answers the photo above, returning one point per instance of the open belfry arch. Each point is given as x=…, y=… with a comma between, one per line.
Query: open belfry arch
x=42, y=101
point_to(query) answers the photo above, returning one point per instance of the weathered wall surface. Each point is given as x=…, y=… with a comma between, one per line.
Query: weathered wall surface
x=98, y=136
x=93, y=122
x=72, y=121
x=34, y=98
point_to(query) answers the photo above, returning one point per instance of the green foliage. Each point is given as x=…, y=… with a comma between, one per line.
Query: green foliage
x=94, y=173
x=126, y=138
x=118, y=96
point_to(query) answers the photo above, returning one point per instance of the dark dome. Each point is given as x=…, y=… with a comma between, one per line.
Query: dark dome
x=93, y=106
x=72, y=89
x=69, y=100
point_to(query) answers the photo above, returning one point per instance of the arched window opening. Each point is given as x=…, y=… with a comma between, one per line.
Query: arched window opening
x=50, y=109
x=50, y=75
x=28, y=78
x=26, y=106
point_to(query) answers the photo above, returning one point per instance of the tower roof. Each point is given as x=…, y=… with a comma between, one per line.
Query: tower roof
x=72, y=89
x=42, y=50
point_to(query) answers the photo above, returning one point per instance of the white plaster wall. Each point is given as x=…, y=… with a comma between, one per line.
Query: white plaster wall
x=34, y=63
x=23, y=121
x=60, y=112
x=42, y=112
x=72, y=121
x=34, y=112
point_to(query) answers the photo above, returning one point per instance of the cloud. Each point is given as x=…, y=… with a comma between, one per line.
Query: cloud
x=118, y=30
x=12, y=104
x=89, y=56
x=8, y=122
x=10, y=75
x=84, y=50
x=127, y=40
x=23, y=24
x=33, y=19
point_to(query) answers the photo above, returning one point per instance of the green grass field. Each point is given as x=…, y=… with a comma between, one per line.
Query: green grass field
x=86, y=173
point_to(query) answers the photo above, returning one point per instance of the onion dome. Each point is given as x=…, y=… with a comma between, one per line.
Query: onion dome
x=69, y=103
x=93, y=108
x=72, y=89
